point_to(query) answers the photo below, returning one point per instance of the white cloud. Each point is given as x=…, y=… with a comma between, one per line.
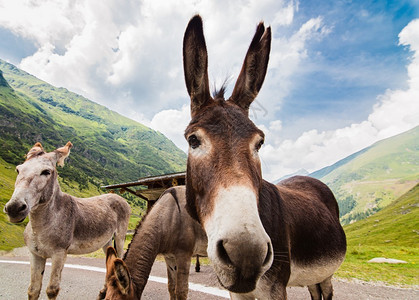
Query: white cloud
x=43, y=22
x=124, y=53
x=172, y=123
x=395, y=112
x=128, y=55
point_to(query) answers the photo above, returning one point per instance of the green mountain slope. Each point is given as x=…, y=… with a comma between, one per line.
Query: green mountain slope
x=326, y=170
x=392, y=232
x=107, y=146
x=395, y=225
x=372, y=178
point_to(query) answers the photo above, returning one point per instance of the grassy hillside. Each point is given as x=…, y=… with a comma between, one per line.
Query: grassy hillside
x=397, y=224
x=371, y=179
x=10, y=234
x=392, y=232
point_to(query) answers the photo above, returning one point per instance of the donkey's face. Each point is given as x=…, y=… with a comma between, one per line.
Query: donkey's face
x=223, y=170
x=35, y=181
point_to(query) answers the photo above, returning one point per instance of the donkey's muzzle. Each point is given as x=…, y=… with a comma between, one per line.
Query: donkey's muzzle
x=245, y=267
x=238, y=245
x=16, y=211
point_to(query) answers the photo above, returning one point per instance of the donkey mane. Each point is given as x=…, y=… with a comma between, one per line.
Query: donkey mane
x=218, y=94
x=137, y=228
x=34, y=154
x=171, y=191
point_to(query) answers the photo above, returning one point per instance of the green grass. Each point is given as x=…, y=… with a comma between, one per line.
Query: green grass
x=392, y=233
x=11, y=235
x=356, y=265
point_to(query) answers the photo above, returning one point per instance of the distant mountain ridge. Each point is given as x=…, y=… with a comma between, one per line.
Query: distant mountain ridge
x=107, y=146
x=300, y=172
x=326, y=170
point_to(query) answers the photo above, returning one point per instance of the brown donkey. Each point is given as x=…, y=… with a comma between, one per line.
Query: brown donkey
x=261, y=237
x=167, y=229
x=60, y=224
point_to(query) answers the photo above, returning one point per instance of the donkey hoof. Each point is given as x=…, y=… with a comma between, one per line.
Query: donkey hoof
x=52, y=292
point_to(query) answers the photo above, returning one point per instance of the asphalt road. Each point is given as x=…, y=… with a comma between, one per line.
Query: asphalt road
x=82, y=278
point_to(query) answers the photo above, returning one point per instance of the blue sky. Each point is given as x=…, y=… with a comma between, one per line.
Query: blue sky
x=356, y=61
x=342, y=74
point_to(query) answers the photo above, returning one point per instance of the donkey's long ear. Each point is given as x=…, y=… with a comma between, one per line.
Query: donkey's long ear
x=195, y=65
x=110, y=256
x=254, y=68
x=62, y=153
x=122, y=275
x=36, y=149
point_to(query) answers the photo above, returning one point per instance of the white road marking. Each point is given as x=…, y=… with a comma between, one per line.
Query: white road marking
x=192, y=286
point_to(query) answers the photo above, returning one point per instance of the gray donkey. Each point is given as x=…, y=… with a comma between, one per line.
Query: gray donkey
x=60, y=224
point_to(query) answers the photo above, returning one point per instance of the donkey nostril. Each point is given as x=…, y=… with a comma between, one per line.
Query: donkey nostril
x=222, y=253
x=268, y=255
x=23, y=207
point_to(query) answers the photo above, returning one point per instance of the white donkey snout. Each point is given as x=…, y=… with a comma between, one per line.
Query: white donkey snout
x=238, y=245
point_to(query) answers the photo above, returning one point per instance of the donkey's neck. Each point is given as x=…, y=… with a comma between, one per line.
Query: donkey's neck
x=142, y=252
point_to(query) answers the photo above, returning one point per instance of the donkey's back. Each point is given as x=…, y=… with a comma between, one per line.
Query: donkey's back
x=96, y=218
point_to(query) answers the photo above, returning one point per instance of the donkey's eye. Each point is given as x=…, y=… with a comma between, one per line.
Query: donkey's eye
x=193, y=141
x=17, y=170
x=259, y=145
x=46, y=172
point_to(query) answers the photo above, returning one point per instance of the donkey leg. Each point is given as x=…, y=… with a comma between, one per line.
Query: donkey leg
x=57, y=265
x=182, y=276
x=119, y=242
x=37, y=272
x=171, y=276
x=105, y=247
x=315, y=291
x=197, y=265
x=102, y=292
x=327, y=288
